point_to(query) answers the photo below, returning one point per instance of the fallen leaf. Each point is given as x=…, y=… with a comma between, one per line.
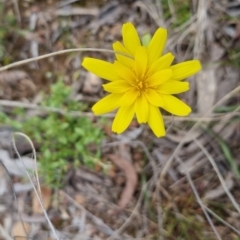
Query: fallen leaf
x=219, y=191
x=180, y=135
x=131, y=179
x=3, y=181
x=77, y=11
x=80, y=199
x=64, y=213
x=19, y=232
x=227, y=80
x=16, y=84
x=16, y=166
x=46, y=200
x=206, y=88
x=192, y=163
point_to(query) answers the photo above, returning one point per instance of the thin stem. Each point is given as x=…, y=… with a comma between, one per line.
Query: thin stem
x=22, y=62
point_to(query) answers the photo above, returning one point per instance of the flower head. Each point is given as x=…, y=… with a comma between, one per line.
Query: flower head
x=143, y=82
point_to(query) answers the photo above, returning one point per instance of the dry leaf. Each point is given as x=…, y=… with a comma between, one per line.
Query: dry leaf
x=77, y=11
x=3, y=181
x=13, y=76
x=206, y=87
x=64, y=213
x=192, y=163
x=46, y=200
x=131, y=179
x=19, y=232
x=16, y=85
x=219, y=191
x=80, y=199
x=228, y=79
x=181, y=134
x=15, y=166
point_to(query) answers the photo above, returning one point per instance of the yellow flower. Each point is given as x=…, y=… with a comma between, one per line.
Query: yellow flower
x=143, y=82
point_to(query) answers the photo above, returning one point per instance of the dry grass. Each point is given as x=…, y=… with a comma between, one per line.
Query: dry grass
x=175, y=173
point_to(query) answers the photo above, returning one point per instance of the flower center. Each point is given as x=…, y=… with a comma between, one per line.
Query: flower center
x=140, y=85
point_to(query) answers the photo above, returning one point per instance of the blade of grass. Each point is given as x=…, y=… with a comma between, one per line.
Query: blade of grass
x=228, y=155
x=189, y=178
x=226, y=151
x=220, y=177
x=30, y=179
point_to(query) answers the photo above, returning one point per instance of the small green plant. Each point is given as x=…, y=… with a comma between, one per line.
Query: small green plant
x=8, y=21
x=182, y=11
x=63, y=141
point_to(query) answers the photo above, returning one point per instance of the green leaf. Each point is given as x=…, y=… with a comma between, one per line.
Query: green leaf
x=228, y=155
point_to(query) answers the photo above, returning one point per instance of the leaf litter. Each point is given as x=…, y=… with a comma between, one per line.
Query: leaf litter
x=87, y=209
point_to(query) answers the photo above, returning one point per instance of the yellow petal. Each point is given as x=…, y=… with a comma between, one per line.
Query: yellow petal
x=124, y=72
x=161, y=63
x=123, y=118
x=100, y=68
x=120, y=86
x=185, y=69
x=141, y=109
x=130, y=38
x=129, y=97
x=107, y=104
x=173, y=87
x=154, y=98
x=155, y=121
x=128, y=62
x=175, y=106
x=159, y=77
x=141, y=61
x=157, y=44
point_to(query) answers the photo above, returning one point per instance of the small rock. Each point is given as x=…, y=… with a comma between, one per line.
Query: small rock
x=92, y=84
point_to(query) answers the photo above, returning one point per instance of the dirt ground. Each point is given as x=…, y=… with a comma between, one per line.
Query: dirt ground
x=185, y=186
